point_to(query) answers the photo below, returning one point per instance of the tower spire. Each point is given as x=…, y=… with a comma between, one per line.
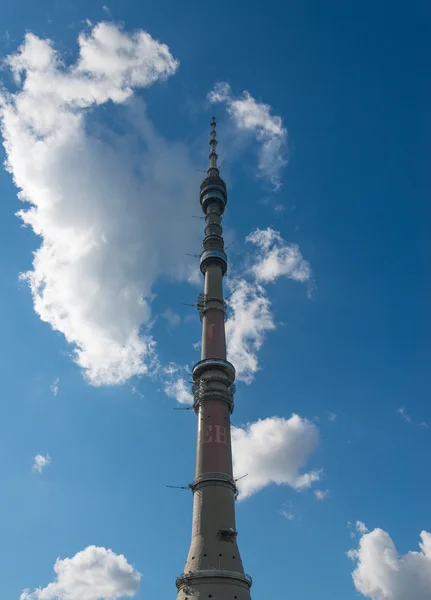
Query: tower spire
x=213, y=568
x=213, y=145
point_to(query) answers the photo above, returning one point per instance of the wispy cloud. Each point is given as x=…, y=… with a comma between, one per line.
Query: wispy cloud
x=355, y=528
x=180, y=390
x=250, y=315
x=254, y=117
x=107, y=10
x=402, y=412
x=55, y=386
x=250, y=319
x=92, y=574
x=361, y=527
x=174, y=383
x=408, y=419
x=288, y=512
x=321, y=494
x=171, y=317
x=40, y=462
x=136, y=392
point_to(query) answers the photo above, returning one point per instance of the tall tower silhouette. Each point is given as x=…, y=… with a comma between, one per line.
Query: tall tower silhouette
x=214, y=568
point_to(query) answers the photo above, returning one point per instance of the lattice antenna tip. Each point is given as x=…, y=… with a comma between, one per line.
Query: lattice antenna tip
x=213, y=145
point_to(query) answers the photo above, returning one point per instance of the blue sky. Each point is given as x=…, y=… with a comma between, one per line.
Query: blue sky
x=343, y=339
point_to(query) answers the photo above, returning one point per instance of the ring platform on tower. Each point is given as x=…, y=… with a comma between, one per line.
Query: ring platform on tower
x=213, y=256
x=213, y=189
x=209, y=364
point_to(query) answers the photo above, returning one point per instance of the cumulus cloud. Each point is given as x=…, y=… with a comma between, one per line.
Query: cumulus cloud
x=98, y=199
x=381, y=573
x=255, y=117
x=40, y=462
x=92, y=574
x=276, y=257
x=274, y=450
x=250, y=315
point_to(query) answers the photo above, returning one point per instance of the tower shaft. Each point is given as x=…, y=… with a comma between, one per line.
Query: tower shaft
x=213, y=568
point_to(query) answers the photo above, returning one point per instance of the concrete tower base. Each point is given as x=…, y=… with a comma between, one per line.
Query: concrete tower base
x=215, y=584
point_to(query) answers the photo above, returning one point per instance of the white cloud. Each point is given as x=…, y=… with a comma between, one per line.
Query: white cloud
x=172, y=318
x=221, y=92
x=358, y=527
x=250, y=318
x=98, y=199
x=382, y=574
x=255, y=117
x=175, y=385
x=408, y=419
x=250, y=315
x=361, y=527
x=402, y=412
x=107, y=10
x=197, y=345
x=40, y=462
x=92, y=574
x=276, y=257
x=180, y=390
x=332, y=416
x=136, y=392
x=274, y=450
x=55, y=386
x=321, y=494
x=171, y=369
x=352, y=533
x=288, y=513
x=110, y=65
